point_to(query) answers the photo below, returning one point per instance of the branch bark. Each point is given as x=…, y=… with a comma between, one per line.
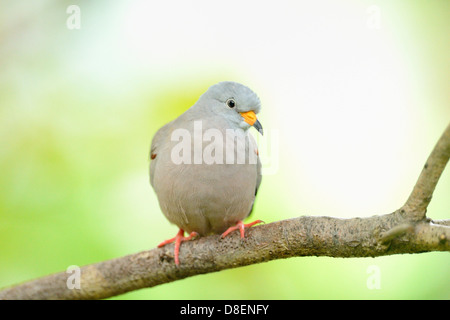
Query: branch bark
x=418, y=201
x=406, y=230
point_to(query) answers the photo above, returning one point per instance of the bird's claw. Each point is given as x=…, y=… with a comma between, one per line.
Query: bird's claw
x=241, y=226
x=178, y=239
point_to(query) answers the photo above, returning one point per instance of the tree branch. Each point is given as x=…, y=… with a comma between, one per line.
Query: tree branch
x=420, y=197
x=442, y=222
x=407, y=230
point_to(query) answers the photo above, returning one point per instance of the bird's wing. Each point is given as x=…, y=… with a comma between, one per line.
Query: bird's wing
x=158, y=141
x=258, y=176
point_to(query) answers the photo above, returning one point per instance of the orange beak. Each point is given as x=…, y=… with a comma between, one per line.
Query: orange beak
x=250, y=118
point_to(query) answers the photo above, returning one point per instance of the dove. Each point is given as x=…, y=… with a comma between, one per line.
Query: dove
x=205, y=167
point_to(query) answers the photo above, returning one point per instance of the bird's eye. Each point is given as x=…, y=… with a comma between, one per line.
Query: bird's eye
x=231, y=103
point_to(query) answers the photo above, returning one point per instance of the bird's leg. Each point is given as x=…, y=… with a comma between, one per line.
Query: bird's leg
x=241, y=226
x=178, y=239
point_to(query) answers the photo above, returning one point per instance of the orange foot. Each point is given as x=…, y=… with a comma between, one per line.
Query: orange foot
x=241, y=226
x=178, y=239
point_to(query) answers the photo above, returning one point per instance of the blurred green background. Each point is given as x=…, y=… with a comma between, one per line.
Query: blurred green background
x=354, y=96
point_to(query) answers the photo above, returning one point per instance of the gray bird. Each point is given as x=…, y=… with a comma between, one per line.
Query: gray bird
x=205, y=167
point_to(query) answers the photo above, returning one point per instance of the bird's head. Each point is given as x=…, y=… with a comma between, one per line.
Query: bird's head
x=235, y=102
